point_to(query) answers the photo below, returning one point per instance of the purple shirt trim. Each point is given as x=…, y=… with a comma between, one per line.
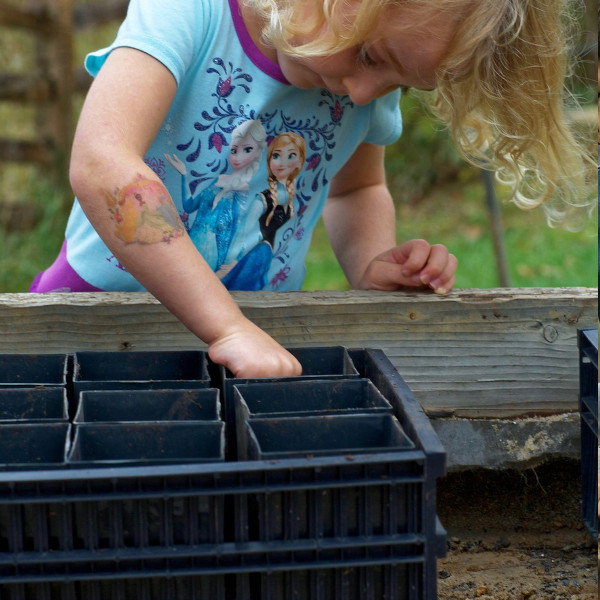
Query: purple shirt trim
x=251, y=49
x=60, y=277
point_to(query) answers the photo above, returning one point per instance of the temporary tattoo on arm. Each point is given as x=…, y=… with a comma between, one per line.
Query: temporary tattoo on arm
x=143, y=212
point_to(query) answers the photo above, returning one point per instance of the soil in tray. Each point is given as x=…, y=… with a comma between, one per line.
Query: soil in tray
x=516, y=535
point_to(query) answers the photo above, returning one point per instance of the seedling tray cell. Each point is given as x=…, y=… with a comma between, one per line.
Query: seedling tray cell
x=148, y=405
x=326, y=435
x=140, y=370
x=308, y=398
x=33, y=404
x=33, y=445
x=29, y=370
x=97, y=444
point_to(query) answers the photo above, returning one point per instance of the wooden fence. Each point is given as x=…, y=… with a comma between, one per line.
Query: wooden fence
x=54, y=80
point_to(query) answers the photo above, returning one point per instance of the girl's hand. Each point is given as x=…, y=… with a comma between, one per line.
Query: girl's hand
x=415, y=263
x=248, y=351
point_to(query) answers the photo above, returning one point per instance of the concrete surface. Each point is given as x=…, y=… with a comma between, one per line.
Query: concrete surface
x=508, y=444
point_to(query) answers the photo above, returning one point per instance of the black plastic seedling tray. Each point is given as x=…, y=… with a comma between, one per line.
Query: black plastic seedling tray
x=360, y=525
x=588, y=407
x=148, y=405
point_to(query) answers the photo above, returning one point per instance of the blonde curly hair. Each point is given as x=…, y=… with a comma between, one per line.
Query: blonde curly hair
x=501, y=87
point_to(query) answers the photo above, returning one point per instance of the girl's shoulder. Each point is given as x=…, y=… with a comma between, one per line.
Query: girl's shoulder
x=175, y=33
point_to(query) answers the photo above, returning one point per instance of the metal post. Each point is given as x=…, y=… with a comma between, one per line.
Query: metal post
x=494, y=213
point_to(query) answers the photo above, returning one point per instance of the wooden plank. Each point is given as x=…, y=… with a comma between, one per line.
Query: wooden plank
x=99, y=13
x=54, y=57
x=24, y=88
x=23, y=151
x=28, y=15
x=473, y=353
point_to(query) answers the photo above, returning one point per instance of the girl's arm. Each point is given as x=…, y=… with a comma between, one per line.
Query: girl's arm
x=135, y=216
x=359, y=218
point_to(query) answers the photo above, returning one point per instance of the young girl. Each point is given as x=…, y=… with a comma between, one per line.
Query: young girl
x=182, y=75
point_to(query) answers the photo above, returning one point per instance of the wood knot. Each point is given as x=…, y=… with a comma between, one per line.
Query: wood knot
x=550, y=333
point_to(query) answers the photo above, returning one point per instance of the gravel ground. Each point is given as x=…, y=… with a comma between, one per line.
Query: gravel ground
x=516, y=535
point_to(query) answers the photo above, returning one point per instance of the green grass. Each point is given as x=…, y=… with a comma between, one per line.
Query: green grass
x=26, y=250
x=456, y=215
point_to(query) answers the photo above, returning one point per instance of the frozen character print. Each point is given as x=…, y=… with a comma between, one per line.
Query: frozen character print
x=285, y=158
x=232, y=203
x=218, y=207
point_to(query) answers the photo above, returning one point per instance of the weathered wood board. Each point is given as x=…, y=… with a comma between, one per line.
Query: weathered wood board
x=474, y=353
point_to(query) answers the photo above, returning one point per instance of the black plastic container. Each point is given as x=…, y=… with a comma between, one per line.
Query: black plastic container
x=303, y=399
x=101, y=444
x=588, y=407
x=300, y=437
x=29, y=370
x=39, y=404
x=303, y=528
x=309, y=398
x=148, y=405
x=140, y=370
x=33, y=445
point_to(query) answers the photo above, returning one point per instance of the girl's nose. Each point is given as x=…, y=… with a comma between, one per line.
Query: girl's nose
x=360, y=89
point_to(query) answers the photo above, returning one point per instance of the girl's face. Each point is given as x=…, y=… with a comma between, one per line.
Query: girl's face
x=396, y=55
x=243, y=151
x=285, y=160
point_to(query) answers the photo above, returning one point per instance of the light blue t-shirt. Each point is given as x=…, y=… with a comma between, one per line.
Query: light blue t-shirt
x=252, y=228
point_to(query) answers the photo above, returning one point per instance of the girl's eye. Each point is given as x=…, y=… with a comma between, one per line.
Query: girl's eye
x=364, y=58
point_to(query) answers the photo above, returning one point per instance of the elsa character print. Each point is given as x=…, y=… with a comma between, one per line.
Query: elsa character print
x=218, y=207
x=285, y=159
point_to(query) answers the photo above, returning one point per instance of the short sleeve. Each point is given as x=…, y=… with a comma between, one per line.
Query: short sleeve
x=386, y=120
x=169, y=31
